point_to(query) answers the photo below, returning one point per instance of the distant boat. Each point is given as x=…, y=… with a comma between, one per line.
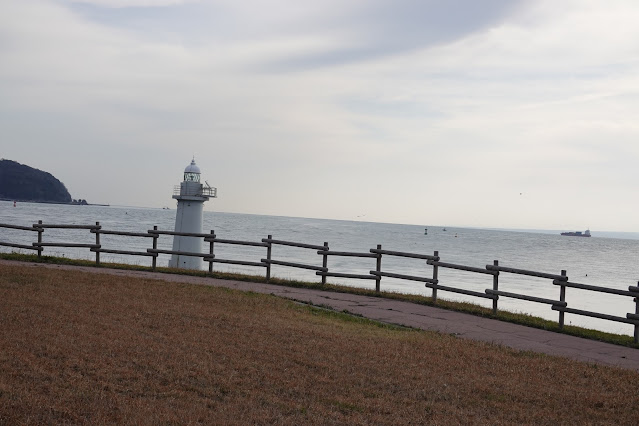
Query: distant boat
x=577, y=234
x=444, y=229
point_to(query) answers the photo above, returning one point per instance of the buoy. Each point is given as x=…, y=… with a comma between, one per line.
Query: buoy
x=14, y=204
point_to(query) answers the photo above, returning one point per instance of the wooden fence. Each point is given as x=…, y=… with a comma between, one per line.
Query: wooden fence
x=494, y=293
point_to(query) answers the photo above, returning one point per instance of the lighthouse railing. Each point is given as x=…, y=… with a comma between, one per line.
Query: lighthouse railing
x=202, y=191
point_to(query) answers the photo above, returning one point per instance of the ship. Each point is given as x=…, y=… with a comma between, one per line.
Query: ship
x=577, y=234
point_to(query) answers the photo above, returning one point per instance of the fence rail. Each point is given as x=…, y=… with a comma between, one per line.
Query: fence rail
x=181, y=234
x=404, y=254
x=526, y=272
x=404, y=277
x=22, y=246
x=123, y=233
x=462, y=291
x=346, y=275
x=240, y=262
x=462, y=267
x=293, y=244
x=241, y=243
x=295, y=265
x=124, y=252
x=596, y=288
x=64, y=226
x=24, y=228
x=431, y=261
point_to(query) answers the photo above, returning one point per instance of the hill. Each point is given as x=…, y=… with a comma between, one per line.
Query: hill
x=23, y=183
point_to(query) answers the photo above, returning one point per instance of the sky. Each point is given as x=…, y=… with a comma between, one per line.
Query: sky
x=478, y=113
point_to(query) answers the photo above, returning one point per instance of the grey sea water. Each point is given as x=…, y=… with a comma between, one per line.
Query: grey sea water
x=603, y=260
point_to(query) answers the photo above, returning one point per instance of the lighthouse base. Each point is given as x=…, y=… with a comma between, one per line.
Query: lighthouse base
x=188, y=219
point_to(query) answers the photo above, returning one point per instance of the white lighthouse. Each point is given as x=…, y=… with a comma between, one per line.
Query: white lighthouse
x=190, y=196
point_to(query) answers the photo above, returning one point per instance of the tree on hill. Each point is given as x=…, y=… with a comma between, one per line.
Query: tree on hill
x=23, y=183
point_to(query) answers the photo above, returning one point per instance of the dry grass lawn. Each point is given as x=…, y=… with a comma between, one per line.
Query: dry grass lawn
x=85, y=348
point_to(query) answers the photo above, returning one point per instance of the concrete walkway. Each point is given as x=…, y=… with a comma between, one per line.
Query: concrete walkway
x=412, y=315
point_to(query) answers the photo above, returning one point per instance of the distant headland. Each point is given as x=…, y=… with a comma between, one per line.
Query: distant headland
x=19, y=182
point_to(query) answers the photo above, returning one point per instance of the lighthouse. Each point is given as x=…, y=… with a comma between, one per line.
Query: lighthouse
x=190, y=195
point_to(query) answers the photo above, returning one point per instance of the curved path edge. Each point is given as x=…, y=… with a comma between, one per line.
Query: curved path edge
x=409, y=314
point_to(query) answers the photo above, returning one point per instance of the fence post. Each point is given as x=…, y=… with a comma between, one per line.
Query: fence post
x=211, y=253
x=495, y=287
x=435, y=275
x=268, y=258
x=378, y=268
x=562, y=298
x=324, y=262
x=40, y=231
x=155, y=246
x=637, y=312
x=97, y=243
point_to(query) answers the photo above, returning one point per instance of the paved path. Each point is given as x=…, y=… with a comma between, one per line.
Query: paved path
x=413, y=315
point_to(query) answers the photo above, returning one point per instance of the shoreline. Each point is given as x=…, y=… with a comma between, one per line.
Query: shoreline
x=53, y=202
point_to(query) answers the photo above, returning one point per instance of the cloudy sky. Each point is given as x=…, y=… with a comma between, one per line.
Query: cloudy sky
x=483, y=113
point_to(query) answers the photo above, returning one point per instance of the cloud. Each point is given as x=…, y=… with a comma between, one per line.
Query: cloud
x=129, y=3
x=407, y=110
x=347, y=32
x=379, y=28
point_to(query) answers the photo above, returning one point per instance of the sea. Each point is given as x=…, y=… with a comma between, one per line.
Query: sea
x=607, y=259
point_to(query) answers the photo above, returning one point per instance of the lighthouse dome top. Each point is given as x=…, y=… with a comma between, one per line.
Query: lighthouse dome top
x=192, y=168
x=192, y=172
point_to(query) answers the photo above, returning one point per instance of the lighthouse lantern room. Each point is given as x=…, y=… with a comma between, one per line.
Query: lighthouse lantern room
x=190, y=196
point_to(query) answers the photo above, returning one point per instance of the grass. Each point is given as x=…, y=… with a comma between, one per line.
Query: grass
x=90, y=348
x=469, y=308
